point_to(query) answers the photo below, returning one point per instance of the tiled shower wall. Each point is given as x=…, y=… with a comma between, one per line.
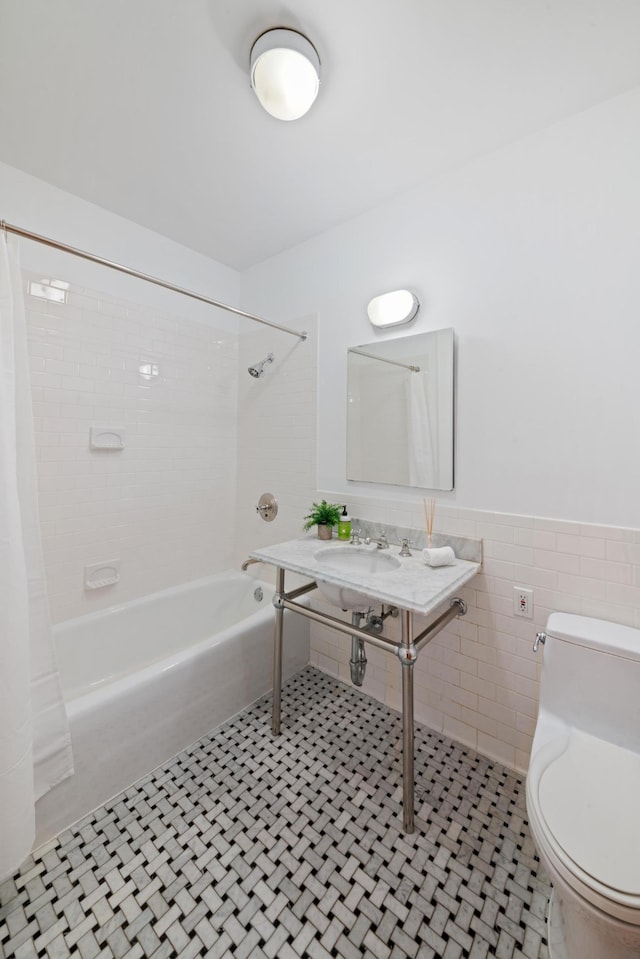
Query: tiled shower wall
x=478, y=680
x=163, y=505
x=277, y=423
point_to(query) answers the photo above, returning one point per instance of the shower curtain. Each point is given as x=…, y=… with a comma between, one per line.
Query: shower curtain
x=422, y=460
x=35, y=748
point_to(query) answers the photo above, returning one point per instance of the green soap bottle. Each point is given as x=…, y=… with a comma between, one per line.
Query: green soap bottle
x=344, y=526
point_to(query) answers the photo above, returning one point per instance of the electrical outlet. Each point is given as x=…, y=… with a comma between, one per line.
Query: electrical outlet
x=523, y=602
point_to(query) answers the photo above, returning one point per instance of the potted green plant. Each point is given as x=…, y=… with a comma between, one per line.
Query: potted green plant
x=325, y=516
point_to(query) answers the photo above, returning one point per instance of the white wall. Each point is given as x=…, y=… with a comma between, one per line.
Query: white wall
x=37, y=206
x=531, y=254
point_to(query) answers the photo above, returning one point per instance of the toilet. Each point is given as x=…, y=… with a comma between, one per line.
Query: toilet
x=583, y=786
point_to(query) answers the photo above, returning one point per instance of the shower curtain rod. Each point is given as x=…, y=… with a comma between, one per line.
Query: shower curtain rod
x=83, y=254
x=382, y=359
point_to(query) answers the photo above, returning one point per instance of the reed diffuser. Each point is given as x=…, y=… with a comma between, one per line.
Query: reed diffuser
x=429, y=515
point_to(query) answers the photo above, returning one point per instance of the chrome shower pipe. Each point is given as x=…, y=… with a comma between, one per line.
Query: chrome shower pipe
x=112, y=265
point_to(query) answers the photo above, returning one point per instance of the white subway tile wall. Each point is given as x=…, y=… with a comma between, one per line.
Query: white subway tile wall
x=478, y=680
x=163, y=505
x=277, y=424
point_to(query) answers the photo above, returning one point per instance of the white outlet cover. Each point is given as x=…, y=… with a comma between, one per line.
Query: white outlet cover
x=523, y=602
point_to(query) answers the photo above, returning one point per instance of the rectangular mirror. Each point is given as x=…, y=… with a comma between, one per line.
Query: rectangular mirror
x=400, y=411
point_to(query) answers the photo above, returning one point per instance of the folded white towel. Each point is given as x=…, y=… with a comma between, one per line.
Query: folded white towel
x=441, y=556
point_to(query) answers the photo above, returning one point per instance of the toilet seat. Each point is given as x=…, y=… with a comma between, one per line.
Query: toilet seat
x=591, y=835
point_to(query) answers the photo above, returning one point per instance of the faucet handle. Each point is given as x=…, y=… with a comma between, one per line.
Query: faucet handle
x=404, y=550
x=355, y=537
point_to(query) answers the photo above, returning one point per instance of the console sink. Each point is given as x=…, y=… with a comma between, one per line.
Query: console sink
x=375, y=576
x=367, y=563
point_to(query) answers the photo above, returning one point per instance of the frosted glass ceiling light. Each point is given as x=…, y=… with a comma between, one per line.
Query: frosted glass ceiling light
x=285, y=73
x=393, y=309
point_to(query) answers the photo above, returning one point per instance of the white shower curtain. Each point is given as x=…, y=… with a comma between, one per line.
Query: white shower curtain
x=422, y=460
x=35, y=748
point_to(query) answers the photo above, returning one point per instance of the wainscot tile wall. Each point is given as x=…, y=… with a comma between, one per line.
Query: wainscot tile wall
x=163, y=505
x=478, y=680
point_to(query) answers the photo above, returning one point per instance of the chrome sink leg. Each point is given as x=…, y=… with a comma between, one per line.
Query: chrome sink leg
x=407, y=655
x=277, y=652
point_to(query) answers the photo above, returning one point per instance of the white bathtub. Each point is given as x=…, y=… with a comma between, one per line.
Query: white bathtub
x=144, y=680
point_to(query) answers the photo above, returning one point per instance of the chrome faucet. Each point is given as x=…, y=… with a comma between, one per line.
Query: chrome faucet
x=405, y=551
x=382, y=541
x=355, y=537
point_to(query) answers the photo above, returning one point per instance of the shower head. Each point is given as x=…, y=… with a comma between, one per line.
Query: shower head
x=258, y=369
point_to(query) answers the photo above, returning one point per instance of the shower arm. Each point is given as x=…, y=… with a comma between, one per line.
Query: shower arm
x=101, y=261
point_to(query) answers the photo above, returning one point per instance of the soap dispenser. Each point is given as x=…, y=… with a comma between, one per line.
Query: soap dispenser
x=344, y=526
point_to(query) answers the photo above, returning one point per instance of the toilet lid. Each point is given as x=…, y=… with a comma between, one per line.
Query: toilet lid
x=590, y=800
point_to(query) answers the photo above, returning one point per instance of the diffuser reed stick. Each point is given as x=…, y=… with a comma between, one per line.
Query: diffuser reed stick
x=429, y=515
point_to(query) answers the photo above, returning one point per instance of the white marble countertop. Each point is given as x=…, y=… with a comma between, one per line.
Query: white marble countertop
x=413, y=585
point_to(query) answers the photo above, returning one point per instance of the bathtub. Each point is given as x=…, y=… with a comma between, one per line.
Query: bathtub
x=144, y=680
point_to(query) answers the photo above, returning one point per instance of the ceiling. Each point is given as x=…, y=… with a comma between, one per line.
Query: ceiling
x=144, y=106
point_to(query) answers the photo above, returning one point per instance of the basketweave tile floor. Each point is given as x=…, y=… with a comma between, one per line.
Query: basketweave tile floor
x=248, y=846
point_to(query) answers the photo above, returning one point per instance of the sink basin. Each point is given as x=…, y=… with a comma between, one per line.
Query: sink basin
x=359, y=561
x=350, y=562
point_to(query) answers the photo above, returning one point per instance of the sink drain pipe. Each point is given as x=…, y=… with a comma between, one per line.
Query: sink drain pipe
x=373, y=624
x=358, y=661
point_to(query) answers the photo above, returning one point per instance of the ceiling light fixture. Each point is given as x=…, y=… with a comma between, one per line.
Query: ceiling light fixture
x=393, y=309
x=285, y=73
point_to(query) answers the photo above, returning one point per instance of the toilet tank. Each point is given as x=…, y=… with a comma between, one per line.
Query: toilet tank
x=591, y=677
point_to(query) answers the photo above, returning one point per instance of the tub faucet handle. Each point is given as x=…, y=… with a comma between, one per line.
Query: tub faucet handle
x=540, y=638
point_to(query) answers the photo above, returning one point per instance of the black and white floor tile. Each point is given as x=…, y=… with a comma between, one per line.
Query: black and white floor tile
x=245, y=846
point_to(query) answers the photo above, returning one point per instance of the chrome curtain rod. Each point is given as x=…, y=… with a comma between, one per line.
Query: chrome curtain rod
x=372, y=356
x=101, y=261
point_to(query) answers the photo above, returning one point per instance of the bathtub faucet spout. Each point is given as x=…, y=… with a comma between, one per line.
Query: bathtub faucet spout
x=248, y=562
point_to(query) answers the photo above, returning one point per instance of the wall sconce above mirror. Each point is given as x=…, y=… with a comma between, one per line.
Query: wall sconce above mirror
x=400, y=411
x=393, y=309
